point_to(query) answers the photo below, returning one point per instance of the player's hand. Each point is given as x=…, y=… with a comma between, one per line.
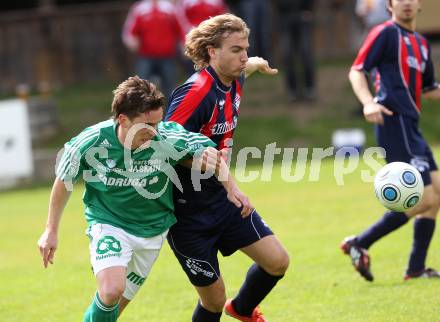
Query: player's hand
x=47, y=244
x=225, y=154
x=240, y=201
x=373, y=112
x=211, y=159
x=261, y=65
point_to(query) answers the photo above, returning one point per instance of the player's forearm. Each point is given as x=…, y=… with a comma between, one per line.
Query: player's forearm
x=229, y=184
x=225, y=177
x=259, y=64
x=248, y=71
x=58, y=200
x=251, y=67
x=222, y=171
x=433, y=94
x=359, y=83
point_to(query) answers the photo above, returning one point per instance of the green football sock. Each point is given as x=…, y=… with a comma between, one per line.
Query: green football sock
x=99, y=312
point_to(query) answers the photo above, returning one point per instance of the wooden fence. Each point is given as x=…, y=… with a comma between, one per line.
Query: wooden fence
x=70, y=44
x=64, y=45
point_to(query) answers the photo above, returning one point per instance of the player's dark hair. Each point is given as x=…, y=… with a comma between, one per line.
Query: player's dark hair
x=211, y=32
x=134, y=96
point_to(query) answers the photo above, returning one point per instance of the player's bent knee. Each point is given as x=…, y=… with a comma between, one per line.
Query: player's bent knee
x=432, y=202
x=278, y=264
x=213, y=297
x=214, y=300
x=111, y=293
x=434, y=207
x=283, y=264
x=427, y=206
x=437, y=200
x=215, y=304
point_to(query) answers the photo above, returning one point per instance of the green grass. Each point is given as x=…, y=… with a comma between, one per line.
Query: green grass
x=310, y=218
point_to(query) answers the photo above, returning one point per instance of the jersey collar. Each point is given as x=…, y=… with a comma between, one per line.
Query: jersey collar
x=403, y=28
x=218, y=82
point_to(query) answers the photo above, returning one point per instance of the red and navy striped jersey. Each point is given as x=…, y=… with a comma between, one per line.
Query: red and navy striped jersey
x=204, y=104
x=399, y=61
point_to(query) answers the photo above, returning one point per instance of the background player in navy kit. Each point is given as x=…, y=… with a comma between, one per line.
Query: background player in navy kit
x=399, y=60
x=207, y=222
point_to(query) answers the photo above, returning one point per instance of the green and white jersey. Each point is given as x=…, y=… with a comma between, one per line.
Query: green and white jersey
x=129, y=189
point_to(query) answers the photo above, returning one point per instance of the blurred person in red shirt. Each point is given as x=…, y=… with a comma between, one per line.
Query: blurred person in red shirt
x=192, y=13
x=153, y=32
x=196, y=11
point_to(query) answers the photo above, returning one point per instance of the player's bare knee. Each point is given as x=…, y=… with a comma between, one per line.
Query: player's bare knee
x=283, y=264
x=215, y=304
x=427, y=206
x=213, y=297
x=432, y=202
x=278, y=264
x=434, y=206
x=111, y=293
x=219, y=304
x=437, y=199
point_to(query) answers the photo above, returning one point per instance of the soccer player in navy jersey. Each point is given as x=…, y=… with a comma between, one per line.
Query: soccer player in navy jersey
x=207, y=222
x=399, y=60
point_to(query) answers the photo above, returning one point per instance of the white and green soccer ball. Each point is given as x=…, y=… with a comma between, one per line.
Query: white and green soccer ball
x=398, y=186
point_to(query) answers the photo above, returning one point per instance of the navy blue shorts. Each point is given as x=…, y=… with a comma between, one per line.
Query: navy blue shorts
x=402, y=140
x=195, y=242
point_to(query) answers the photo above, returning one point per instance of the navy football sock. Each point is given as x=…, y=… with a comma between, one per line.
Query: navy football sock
x=257, y=285
x=423, y=231
x=203, y=315
x=389, y=222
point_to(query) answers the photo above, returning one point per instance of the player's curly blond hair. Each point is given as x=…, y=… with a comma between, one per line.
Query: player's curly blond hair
x=211, y=32
x=134, y=96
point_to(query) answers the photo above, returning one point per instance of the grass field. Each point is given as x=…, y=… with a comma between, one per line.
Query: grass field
x=310, y=218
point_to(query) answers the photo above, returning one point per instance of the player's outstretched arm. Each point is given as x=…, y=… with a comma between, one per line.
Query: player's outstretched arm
x=259, y=64
x=433, y=94
x=372, y=111
x=47, y=243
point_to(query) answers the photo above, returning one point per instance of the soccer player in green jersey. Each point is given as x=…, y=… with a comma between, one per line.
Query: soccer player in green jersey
x=126, y=163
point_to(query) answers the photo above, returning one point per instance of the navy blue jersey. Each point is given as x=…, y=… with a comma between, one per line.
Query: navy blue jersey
x=203, y=104
x=399, y=61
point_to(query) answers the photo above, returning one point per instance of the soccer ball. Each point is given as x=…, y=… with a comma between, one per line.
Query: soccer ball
x=398, y=186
